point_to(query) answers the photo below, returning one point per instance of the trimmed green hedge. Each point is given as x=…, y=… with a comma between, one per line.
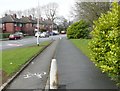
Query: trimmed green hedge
x=78, y=30
x=105, y=44
x=4, y=35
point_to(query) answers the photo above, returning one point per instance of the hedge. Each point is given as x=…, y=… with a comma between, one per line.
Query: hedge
x=105, y=44
x=78, y=30
x=4, y=35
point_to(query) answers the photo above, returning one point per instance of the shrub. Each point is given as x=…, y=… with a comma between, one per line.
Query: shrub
x=78, y=30
x=4, y=35
x=105, y=44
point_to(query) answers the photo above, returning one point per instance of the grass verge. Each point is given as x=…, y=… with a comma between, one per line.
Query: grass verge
x=13, y=59
x=82, y=44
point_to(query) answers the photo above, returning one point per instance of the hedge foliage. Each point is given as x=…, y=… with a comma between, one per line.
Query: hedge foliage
x=4, y=35
x=105, y=44
x=78, y=30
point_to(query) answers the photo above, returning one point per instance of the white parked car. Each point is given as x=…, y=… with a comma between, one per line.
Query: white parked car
x=55, y=32
x=20, y=33
x=37, y=34
x=44, y=34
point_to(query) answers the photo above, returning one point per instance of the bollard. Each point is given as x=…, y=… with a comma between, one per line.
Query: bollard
x=53, y=75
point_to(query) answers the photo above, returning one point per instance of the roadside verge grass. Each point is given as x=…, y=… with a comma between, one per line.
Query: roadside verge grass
x=82, y=44
x=13, y=59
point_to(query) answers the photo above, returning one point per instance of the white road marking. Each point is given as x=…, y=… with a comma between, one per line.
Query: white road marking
x=38, y=75
x=14, y=44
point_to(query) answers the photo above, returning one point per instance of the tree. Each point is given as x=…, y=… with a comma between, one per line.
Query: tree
x=33, y=12
x=90, y=11
x=51, y=11
x=19, y=13
x=63, y=23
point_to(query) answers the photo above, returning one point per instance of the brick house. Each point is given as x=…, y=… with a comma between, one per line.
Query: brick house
x=27, y=25
x=8, y=24
x=48, y=25
x=11, y=24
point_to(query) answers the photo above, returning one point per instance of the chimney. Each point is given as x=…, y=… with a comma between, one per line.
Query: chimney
x=15, y=16
x=22, y=16
x=30, y=17
x=6, y=14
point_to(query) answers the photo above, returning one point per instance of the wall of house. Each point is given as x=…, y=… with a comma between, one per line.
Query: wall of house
x=9, y=28
x=29, y=29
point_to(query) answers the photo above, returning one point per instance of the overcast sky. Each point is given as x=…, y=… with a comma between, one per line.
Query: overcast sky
x=64, y=5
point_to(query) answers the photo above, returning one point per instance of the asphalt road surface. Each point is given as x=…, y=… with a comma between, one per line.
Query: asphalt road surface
x=76, y=71
x=25, y=41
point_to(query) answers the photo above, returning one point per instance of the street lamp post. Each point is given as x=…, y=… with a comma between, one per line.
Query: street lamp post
x=37, y=33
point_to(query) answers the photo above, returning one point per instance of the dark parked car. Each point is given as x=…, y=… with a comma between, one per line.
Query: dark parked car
x=14, y=36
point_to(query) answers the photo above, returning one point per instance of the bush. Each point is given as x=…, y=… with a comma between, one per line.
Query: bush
x=4, y=35
x=78, y=30
x=105, y=45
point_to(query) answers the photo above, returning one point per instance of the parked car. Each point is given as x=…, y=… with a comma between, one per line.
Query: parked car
x=37, y=34
x=55, y=32
x=20, y=33
x=44, y=34
x=63, y=32
x=14, y=36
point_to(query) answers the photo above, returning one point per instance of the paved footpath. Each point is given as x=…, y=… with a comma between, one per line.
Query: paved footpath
x=76, y=71
x=35, y=75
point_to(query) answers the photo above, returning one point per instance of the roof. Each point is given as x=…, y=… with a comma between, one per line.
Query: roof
x=8, y=18
x=34, y=21
x=25, y=20
x=47, y=22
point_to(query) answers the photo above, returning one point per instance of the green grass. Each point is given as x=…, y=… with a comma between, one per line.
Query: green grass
x=0, y=60
x=82, y=44
x=13, y=59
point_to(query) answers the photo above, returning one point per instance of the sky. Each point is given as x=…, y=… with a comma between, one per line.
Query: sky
x=64, y=8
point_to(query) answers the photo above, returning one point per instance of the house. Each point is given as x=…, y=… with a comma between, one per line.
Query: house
x=49, y=25
x=8, y=24
x=28, y=25
x=11, y=24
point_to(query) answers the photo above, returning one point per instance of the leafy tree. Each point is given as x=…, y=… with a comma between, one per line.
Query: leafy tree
x=90, y=11
x=78, y=30
x=105, y=45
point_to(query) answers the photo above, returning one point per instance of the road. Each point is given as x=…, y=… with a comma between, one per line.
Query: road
x=35, y=75
x=75, y=70
x=23, y=42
